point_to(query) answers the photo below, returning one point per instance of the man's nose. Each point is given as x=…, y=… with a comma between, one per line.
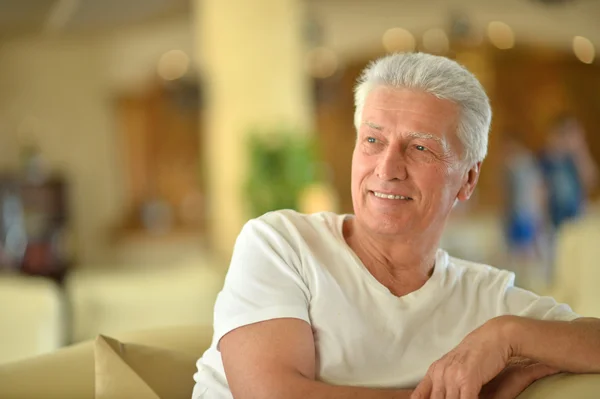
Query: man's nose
x=392, y=165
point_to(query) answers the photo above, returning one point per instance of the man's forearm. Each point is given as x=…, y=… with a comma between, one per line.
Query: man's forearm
x=569, y=346
x=309, y=389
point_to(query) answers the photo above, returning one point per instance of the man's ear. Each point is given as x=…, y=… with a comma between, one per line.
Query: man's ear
x=469, y=182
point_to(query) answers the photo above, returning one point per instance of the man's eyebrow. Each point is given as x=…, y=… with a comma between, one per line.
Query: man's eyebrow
x=373, y=125
x=429, y=136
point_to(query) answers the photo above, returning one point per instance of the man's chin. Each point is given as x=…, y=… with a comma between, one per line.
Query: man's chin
x=389, y=224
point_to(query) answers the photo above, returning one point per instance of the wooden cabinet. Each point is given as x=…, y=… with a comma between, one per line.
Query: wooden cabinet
x=160, y=140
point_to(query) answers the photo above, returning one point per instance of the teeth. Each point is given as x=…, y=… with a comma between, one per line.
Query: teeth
x=389, y=196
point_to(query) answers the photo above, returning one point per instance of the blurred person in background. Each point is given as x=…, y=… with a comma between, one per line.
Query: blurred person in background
x=367, y=305
x=525, y=212
x=569, y=169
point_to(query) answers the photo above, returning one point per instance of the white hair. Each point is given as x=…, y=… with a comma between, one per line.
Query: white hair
x=442, y=77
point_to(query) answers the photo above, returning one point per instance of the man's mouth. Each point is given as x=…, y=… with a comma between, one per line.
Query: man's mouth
x=390, y=196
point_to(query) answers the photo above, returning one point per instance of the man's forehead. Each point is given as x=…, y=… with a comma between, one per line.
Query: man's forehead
x=410, y=133
x=390, y=99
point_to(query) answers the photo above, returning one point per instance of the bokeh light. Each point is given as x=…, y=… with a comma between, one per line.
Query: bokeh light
x=173, y=65
x=398, y=40
x=501, y=35
x=584, y=49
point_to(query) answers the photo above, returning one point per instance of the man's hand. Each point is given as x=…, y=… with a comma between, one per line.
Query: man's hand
x=518, y=375
x=462, y=372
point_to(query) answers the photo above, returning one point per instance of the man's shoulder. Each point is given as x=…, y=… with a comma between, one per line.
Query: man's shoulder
x=291, y=219
x=475, y=271
x=291, y=224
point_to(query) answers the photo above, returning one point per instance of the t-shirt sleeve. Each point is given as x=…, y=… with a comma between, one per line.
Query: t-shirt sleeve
x=264, y=281
x=520, y=302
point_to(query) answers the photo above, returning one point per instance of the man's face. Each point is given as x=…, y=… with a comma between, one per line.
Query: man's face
x=407, y=146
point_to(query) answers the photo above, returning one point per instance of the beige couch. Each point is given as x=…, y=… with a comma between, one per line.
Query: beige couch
x=38, y=317
x=577, y=274
x=111, y=301
x=69, y=373
x=33, y=314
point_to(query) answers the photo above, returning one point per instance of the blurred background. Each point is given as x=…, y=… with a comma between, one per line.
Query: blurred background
x=136, y=138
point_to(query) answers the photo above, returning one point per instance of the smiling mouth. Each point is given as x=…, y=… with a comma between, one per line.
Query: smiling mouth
x=390, y=196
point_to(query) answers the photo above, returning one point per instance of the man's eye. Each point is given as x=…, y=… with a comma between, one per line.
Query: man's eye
x=420, y=148
x=371, y=139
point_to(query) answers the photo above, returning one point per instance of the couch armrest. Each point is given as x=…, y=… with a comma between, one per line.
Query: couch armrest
x=564, y=386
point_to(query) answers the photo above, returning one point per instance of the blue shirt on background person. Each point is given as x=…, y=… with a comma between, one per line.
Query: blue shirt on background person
x=564, y=186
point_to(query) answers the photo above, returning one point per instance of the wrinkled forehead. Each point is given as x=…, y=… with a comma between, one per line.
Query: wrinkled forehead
x=411, y=110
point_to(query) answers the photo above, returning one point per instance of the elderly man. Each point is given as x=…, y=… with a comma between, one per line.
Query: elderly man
x=367, y=305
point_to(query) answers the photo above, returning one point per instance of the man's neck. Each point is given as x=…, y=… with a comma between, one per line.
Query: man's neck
x=402, y=265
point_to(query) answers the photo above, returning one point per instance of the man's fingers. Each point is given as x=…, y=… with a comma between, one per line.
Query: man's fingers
x=452, y=392
x=439, y=390
x=451, y=384
x=423, y=390
x=469, y=392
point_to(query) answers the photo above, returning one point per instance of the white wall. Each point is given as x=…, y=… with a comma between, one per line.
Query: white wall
x=131, y=54
x=68, y=86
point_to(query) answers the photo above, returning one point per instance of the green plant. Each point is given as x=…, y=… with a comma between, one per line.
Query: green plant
x=282, y=163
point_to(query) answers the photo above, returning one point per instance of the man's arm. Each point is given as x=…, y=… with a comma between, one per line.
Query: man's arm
x=569, y=346
x=276, y=359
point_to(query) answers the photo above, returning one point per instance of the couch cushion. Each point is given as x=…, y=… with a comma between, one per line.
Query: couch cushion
x=140, y=371
x=69, y=372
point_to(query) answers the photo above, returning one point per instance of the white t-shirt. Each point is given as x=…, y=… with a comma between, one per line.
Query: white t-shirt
x=286, y=264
